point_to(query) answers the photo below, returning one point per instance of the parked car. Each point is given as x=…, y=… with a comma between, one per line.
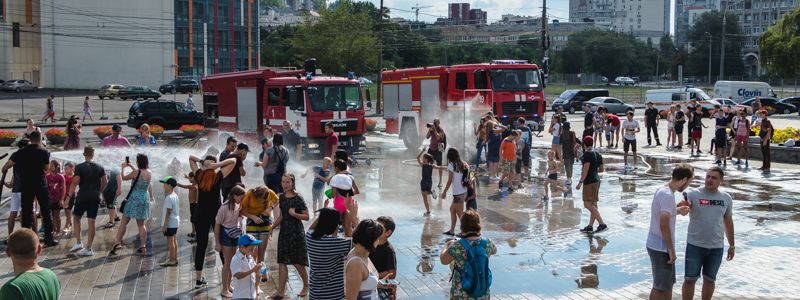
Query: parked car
x=791, y=100
x=773, y=105
x=180, y=86
x=614, y=105
x=136, y=92
x=622, y=80
x=572, y=100
x=604, y=80
x=169, y=114
x=18, y=86
x=109, y=91
x=635, y=80
x=735, y=106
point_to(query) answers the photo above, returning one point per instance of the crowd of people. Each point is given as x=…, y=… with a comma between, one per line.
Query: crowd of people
x=340, y=254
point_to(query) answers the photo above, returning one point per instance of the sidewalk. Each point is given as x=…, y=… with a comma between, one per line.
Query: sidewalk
x=22, y=125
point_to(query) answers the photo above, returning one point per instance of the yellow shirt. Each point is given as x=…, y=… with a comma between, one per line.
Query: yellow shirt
x=254, y=206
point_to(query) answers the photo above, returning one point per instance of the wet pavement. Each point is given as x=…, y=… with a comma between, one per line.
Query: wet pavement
x=541, y=254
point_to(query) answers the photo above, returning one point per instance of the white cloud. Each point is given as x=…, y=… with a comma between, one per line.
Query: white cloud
x=494, y=8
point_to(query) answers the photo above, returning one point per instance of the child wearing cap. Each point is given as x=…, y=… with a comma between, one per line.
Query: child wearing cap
x=244, y=268
x=170, y=220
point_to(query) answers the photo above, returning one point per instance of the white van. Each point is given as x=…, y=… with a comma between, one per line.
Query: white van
x=739, y=91
x=664, y=98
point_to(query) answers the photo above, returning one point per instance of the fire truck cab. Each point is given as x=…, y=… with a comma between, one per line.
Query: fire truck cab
x=243, y=104
x=508, y=88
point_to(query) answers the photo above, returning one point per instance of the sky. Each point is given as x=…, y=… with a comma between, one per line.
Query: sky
x=494, y=8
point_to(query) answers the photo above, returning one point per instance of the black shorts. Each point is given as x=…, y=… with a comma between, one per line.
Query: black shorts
x=553, y=176
x=437, y=156
x=192, y=209
x=518, y=166
x=627, y=144
x=71, y=202
x=678, y=128
x=171, y=232
x=55, y=206
x=89, y=207
x=426, y=186
x=588, y=132
x=110, y=200
x=721, y=138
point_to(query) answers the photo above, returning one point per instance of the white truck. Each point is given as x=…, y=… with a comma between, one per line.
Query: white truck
x=662, y=99
x=739, y=91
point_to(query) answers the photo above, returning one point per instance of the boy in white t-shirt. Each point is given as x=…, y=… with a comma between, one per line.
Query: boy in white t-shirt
x=630, y=129
x=244, y=268
x=170, y=220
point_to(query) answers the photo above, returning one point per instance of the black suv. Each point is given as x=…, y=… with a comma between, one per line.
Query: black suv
x=169, y=114
x=180, y=86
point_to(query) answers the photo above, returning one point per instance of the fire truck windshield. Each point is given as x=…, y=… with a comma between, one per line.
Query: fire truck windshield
x=515, y=80
x=334, y=97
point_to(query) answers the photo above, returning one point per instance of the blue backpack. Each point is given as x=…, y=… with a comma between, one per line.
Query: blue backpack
x=476, y=278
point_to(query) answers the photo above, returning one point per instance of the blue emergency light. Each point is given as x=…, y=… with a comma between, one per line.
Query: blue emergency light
x=351, y=75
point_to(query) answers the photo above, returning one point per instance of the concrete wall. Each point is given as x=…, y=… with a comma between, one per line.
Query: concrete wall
x=89, y=43
x=23, y=62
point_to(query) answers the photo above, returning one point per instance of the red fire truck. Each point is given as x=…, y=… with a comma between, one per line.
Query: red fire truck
x=243, y=103
x=458, y=94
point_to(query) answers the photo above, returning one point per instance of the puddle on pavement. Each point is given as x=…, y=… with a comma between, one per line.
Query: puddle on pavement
x=540, y=248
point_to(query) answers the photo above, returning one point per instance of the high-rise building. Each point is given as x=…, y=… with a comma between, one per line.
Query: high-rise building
x=645, y=19
x=477, y=16
x=686, y=13
x=87, y=43
x=20, y=42
x=458, y=13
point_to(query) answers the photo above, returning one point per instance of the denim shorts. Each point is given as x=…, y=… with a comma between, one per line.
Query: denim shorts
x=663, y=273
x=702, y=259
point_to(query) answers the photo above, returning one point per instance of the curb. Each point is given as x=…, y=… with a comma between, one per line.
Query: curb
x=63, y=124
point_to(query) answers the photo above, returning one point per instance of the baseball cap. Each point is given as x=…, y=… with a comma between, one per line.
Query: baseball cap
x=247, y=240
x=243, y=146
x=169, y=180
x=588, y=140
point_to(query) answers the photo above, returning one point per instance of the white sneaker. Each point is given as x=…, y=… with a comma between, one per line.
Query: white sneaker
x=86, y=252
x=76, y=247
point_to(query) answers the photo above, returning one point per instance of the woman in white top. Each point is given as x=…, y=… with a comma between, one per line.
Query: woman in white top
x=456, y=168
x=671, y=127
x=361, y=277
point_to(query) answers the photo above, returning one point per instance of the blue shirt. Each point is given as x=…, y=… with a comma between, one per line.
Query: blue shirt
x=142, y=142
x=319, y=184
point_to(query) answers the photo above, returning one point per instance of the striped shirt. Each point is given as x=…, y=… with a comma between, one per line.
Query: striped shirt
x=326, y=263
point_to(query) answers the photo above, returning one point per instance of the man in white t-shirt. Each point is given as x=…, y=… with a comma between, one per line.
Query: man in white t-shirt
x=244, y=268
x=661, y=237
x=631, y=128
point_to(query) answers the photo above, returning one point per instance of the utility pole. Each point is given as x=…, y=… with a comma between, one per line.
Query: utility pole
x=379, y=100
x=545, y=42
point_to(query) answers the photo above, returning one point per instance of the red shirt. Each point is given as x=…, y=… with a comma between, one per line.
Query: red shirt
x=614, y=120
x=332, y=140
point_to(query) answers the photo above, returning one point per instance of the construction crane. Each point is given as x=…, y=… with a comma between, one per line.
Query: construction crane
x=416, y=9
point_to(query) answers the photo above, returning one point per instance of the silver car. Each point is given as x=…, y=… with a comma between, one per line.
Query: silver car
x=613, y=105
x=18, y=86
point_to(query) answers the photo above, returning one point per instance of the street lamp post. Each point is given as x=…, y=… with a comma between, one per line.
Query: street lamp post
x=722, y=44
x=709, y=57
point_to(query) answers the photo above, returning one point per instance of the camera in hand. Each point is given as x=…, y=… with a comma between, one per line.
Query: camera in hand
x=429, y=125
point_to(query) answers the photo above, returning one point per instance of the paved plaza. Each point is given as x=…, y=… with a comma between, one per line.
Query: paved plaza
x=541, y=254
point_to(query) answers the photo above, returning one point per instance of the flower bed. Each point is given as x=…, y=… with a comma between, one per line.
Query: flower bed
x=156, y=130
x=102, y=131
x=782, y=135
x=56, y=136
x=7, y=137
x=192, y=130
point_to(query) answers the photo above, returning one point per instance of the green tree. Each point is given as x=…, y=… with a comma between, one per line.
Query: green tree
x=276, y=50
x=779, y=46
x=711, y=22
x=607, y=53
x=667, y=53
x=342, y=40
